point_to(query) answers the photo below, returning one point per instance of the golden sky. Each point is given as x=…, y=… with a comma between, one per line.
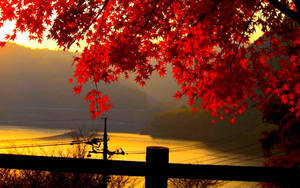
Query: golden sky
x=22, y=39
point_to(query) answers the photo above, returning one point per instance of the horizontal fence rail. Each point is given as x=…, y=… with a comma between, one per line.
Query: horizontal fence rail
x=133, y=168
x=61, y=164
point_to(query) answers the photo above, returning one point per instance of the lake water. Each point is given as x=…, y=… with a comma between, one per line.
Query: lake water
x=23, y=140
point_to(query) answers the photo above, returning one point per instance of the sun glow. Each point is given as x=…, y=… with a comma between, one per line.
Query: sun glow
x=23, y=39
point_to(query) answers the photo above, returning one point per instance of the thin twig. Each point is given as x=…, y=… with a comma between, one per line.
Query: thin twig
x=243, y=35
x=202, y=16
x=180, y=3
x=92, y=22
x=289, y=12
x=148, y=20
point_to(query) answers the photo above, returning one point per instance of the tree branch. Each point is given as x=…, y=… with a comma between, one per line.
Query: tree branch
x=92, y=22
x=243, y=34
x=202, y=16
x=290, y=13
x=297, y=3
x=148, y=20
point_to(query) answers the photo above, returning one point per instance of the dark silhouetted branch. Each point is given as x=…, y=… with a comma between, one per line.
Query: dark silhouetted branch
x=148, y=20
x=243, y=34
x=202, y=16
x=290, y=13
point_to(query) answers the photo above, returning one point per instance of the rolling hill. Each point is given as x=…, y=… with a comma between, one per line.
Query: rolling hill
x=35, y=91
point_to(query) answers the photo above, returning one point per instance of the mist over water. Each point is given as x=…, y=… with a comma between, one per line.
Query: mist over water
x=54, y=142
x=15, y=139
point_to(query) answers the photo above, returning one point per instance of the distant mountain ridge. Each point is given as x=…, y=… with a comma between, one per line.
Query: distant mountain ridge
x=41, y=76
x=34, y=86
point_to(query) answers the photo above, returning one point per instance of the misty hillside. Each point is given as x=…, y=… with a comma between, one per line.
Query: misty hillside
x=34, y=87
x=161, y=89
x=40, y=78
x=183, y=124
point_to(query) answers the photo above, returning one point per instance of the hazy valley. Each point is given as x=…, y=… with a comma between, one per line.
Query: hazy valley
x=36, y=92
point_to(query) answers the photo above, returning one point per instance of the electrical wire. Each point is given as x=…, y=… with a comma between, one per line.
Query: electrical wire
x=57, y=120
x=237, y=158
x=136, y=153
x=223, y=153
x=240, y=148
x=44, y=145
x=175, y=149
x=207, y=141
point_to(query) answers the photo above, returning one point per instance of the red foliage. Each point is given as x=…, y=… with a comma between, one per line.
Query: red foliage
x=2, y=44
x=206, y=43
x=232, y=121
x=281, y=145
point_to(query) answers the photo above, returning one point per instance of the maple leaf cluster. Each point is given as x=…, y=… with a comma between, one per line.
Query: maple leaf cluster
x=206, y=43
x=281, y=145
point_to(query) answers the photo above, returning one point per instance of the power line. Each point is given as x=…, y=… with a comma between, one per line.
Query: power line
x=189, y=149
x=228, y=156
x=238, y=158
x=53, y=120
x=20, y=139
x=240, y=148
x=250, y=157
x=208, y=141
x=44, y=145
x=136, y=153
x=232, y=150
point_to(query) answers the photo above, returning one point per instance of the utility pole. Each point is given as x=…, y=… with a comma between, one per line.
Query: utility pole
x=96, y=144
x=105, y=148
x=105, y=178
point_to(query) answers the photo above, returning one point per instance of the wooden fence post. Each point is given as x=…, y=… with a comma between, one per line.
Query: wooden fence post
x=157, y=159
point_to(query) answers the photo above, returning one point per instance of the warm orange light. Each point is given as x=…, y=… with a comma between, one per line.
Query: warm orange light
x=23, y=39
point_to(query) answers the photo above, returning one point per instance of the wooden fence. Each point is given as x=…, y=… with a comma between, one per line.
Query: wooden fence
x=156, y=169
